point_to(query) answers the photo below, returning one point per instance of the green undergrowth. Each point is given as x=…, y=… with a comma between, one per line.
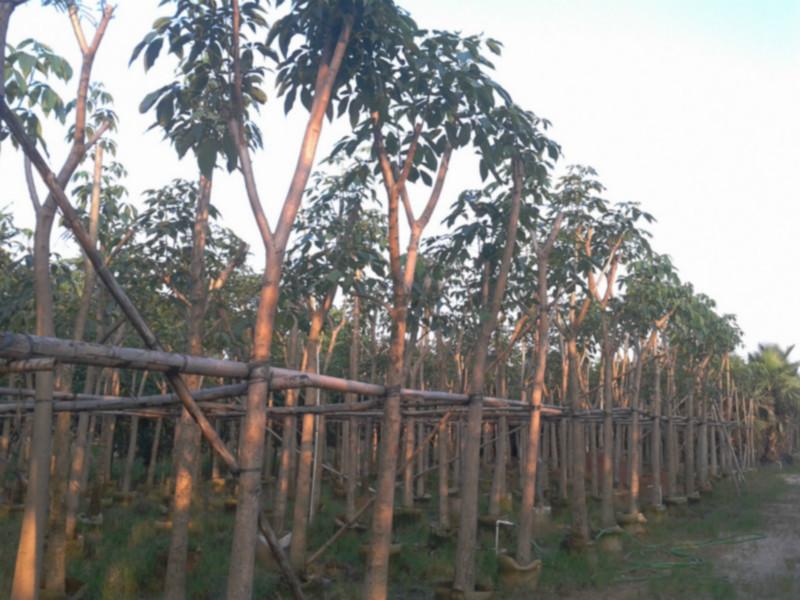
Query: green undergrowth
x=125, y=558
x=673, y=558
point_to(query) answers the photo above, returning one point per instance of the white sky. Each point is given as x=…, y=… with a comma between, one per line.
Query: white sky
x=688, y=107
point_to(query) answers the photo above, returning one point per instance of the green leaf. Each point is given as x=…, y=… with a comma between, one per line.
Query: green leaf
x=150, y=99
x=152, y=52
x=259, y=95
x=161, y=23
x=207, y=156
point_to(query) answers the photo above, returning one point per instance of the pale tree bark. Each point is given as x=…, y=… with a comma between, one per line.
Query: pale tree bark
x=350, y=430
x=443, y=445
x=286, y=456
x=80, y=446
x=607, y=517
x=580, y=517
x=127, y=475
x=534, y=425
x=634, y=452
x=408, y=472
x=689, y=454
x=657, y=438
x=377, y=568
x=672, y=434
x=468, y=522
x=702, y=444
x=28, y=567
x=302, y=503
x=251, y=441
x=499, y=476
x=187, y=433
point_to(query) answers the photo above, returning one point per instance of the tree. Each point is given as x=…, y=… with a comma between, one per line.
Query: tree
x=29, y=557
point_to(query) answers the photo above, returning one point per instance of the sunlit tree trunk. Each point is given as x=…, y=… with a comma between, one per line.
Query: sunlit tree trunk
x=634, y=453
x=468, y=522
x=286, y=458
x=187, y=433
x=656, y=441
x=607, y=517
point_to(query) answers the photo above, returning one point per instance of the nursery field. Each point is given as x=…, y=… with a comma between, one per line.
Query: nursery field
x=427, y=359
x=727, y=546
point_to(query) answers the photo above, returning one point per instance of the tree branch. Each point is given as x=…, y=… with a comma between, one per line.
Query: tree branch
x=167, y=279
x=126, y=237
x=222, y=278
x=34, y=195
x=436, y=192
x=77, y=29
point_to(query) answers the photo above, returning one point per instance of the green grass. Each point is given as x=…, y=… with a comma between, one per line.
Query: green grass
x=125, y=559
x=674, y=558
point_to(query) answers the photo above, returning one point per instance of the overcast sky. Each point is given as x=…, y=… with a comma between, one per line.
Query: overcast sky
x=689, y=107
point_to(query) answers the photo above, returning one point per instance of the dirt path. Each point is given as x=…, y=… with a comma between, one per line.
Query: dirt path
x=770, y=567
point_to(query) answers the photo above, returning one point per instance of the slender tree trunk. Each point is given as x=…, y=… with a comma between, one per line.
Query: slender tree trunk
x=302, y=503
x=187, y=433
x=689, y=456
x=656, y=441
x=498, y=491
x=499, y=475
x=351, y=426
x=28, y=567
x=408, y=471
x=702, y=444
x=607, y=517
x=634, y=453
x=151, y=467
x=286, y=458
x=580, y=516
x=467, y=532
x=531, y=457
x=251, y=445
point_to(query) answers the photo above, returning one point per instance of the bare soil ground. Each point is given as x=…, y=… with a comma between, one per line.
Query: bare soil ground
x=769, y=567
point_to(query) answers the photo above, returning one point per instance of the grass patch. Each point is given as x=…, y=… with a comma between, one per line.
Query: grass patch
x=126, y=558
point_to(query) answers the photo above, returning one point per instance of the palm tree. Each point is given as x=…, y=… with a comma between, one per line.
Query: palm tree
x=776, y=388
x=775, y=380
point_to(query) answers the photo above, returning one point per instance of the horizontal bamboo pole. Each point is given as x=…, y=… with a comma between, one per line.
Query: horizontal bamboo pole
x=22, y=346
x=18, y=346
x=89, y=402
x=73, y=222
x=27, y=365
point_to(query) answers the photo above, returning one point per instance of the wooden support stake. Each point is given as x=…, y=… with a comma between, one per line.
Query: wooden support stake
x=280, y=556
x=340, y=532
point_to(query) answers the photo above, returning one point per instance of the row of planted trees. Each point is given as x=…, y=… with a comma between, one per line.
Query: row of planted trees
x=535, y=288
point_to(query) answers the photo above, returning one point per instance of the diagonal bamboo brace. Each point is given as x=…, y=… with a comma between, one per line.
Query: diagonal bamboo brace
x=150, y=340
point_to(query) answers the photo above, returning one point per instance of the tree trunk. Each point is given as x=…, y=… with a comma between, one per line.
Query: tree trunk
x=187, y=433
x=702, y=445
x=468, y=523
x=634, y=452
x=286, y=456
x=350, y=431
x=689, y=456
x=131, y=456
x=531, y=457
x=580, y=517
x=151, y=467
x=655, y=443
x=302, y=502
x=28, y=567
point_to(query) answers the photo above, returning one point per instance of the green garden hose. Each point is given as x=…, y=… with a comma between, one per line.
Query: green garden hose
x=685, y=552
